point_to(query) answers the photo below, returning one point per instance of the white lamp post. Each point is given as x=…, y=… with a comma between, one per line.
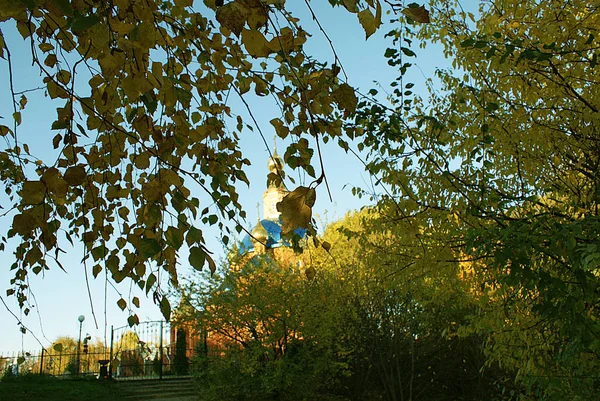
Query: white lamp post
x=81, y=318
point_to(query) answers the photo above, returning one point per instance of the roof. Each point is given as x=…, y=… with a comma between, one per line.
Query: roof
x=270, y=233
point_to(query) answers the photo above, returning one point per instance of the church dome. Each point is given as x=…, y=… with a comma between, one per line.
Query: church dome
x=275, y=164
x=268, y=232
x=260, y=233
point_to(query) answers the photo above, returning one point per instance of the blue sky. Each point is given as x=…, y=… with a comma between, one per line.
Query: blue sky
x=61, y=297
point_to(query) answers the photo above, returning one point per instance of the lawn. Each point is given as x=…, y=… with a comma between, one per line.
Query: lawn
x=33, y=388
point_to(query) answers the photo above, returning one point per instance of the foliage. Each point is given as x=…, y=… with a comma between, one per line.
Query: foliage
x=7, y=374
x=144, y=122
x=353, y=322
x=501, y=161
x=180, y=361
x=255, y=346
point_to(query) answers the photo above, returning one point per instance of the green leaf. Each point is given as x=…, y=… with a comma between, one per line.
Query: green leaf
x=165, y=308
x=99, y=253
x=197, y=258
x=194, y=236
x=96, y=270
x=407, y=51
x=33, y=192
x=390, y=52
x=211, y=263
x=150, y=282
x=174, y=237
x=149, y=247
x=75, y=175
x=83, y=23
x=133, y=320
x=64, y=6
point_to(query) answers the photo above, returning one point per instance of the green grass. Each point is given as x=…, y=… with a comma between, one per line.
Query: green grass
x=33, y=388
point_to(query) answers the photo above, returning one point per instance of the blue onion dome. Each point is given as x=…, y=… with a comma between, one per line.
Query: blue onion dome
x=267, y=231
x=245, y=245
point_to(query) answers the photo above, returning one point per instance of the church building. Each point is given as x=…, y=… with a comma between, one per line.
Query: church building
x=263, y=243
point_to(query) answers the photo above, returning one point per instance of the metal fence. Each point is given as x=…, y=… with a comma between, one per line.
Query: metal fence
x=51, y=362
x=152, y=349
x=149, y=350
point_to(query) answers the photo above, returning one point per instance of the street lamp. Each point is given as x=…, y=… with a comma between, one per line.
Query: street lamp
x=81, y=318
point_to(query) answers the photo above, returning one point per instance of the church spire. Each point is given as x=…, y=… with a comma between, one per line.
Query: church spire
x=275, y=187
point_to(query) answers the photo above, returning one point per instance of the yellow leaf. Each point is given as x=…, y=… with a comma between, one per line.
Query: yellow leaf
x=146, y=35
x=142, y=161
x=33, y=192
x=350, y=5
x=24, y=223
x=419, y=14
x=17, y=117
x=75, y=175
x=255, y=42
x=281, y=130
x=284, y=42
x=345, y=97
x=63, y=76
x=50, y=60
x=368, y=22
x=296, y=209
x=54, y=182
x=122, y=304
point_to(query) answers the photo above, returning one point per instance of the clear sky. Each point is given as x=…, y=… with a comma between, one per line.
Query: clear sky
x=61, y=297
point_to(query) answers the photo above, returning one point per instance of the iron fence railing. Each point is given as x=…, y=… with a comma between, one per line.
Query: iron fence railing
x=50, y=362
x=148, y=350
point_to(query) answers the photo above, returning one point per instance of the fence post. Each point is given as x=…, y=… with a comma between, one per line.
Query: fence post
x=112, y=337
x=42, y=362
x=160, y=370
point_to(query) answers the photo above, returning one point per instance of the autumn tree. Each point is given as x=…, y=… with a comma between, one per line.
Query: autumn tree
x=250, y=314
x=374, y=314
x=504, y=154
x=144, y=123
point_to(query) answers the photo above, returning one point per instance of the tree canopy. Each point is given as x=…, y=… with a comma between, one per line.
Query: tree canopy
x=144, y=123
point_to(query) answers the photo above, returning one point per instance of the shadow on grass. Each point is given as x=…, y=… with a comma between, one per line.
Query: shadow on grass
x=46, y=388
